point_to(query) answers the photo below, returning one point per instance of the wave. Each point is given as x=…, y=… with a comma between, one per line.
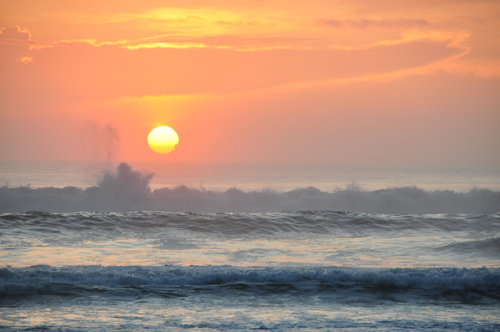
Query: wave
x=487, y=248
x=128, y=190
x=37, y=280
x=307, y=223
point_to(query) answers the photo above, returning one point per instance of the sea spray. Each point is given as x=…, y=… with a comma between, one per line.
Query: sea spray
x=129, y=190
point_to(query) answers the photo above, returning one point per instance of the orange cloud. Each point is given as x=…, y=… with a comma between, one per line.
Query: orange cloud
x=223, y=67
x=13, y=34
x=49, y=44
x=374, y=24
x=165, y=45
x=26, y=60
x=485, y=69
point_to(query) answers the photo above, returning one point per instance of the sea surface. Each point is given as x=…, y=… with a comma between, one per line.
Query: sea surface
x=245, y=247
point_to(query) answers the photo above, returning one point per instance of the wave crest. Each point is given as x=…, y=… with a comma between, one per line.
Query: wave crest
x=428, y=281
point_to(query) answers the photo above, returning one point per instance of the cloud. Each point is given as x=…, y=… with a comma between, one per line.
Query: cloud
x=165, y=45
x=14, y=33
x=49, y=44
x=373, y=24
x=15, y=43
x=26, y=60
x=159, y=43
x=482, y=68
x=16, y=36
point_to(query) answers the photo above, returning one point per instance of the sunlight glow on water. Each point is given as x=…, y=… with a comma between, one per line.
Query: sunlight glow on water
x=358, y=251
x=207, y=314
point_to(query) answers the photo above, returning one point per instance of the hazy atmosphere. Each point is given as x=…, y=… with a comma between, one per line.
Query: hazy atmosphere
x=251, y=81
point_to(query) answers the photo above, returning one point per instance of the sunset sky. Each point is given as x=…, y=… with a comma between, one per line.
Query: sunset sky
x=317, y=81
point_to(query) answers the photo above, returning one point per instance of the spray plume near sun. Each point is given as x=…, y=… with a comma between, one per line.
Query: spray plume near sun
x=163, y=139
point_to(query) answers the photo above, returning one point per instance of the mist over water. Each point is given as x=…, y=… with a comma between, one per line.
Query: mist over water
x=129, y=190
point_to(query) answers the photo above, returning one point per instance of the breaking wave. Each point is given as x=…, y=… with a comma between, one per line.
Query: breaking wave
x=128, y=190
x=430, y=281
x=79, y=225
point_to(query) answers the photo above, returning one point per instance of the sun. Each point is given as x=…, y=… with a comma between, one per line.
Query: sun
x=163, y=139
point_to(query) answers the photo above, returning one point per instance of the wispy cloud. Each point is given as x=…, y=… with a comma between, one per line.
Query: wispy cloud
x=26, y=60
x=165, y=45
x=363, y=23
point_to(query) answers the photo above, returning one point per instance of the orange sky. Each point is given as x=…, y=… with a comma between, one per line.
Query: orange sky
x=386, y=81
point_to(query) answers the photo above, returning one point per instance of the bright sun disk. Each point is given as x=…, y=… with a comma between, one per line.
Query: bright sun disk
x=163, y=139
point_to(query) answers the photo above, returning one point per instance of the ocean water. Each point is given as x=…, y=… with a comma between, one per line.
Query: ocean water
x=227, y=247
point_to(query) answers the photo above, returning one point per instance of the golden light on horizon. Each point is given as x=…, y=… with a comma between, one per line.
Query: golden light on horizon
x=163, y=139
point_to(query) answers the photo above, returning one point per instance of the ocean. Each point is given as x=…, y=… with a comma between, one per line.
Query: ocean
x=242, y=247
